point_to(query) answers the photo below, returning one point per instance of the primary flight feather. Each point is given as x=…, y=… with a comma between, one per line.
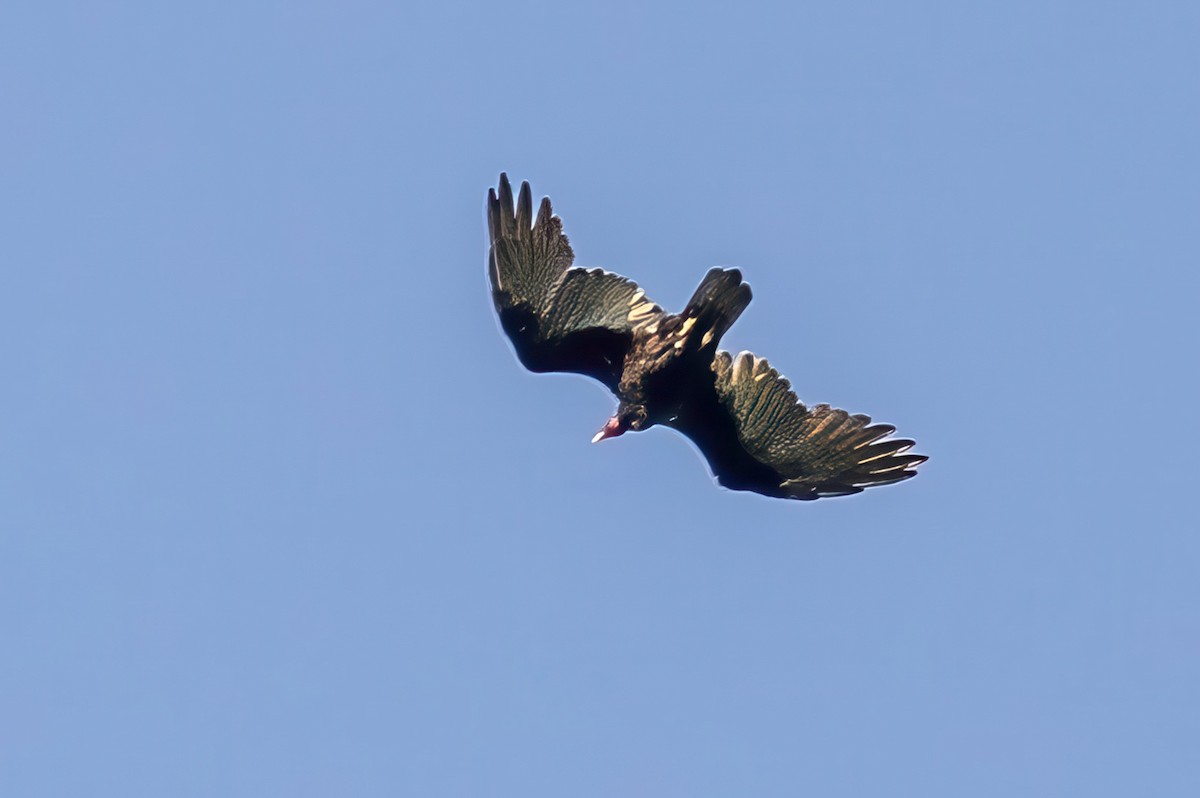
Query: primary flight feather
x=665, y=368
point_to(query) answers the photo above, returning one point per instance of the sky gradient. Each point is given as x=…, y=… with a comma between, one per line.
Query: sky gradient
x=282, y=514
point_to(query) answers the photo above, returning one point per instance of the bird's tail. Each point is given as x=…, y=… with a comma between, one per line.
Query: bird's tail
x=717, y=303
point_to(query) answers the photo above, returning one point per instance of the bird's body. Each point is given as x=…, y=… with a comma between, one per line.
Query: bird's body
x=666, y=369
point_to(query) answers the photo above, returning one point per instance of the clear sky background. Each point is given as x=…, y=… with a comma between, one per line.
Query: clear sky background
x=280, y=513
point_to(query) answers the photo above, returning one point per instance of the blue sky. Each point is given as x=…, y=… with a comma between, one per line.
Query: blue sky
x=282, y=515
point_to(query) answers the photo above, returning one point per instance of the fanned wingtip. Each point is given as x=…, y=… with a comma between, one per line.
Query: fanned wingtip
x=503, y=211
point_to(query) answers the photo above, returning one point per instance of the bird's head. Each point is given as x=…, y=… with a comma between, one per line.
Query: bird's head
x=628, y=417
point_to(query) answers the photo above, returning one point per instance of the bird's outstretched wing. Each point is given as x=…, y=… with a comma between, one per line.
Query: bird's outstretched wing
x=558, y=318
x=756, y=435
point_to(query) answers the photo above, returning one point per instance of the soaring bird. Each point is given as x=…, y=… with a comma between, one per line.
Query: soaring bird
x=665, y=368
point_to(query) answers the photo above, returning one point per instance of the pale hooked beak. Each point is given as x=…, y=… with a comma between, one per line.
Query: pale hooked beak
x=610, y=430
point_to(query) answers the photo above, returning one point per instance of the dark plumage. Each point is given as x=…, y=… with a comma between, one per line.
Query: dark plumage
x=666, y=369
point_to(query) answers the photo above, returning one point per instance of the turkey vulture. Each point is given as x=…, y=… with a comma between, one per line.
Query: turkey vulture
x=665, y=368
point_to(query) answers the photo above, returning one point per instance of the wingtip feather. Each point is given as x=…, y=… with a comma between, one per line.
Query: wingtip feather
x=524, y=209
